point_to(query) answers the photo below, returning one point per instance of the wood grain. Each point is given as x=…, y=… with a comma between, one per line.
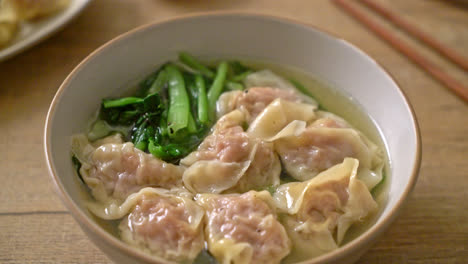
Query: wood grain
x=415, y=32
x=455, y=86
x=433, y=226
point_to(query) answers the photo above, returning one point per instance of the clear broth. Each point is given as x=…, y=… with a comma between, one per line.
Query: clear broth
x=331, y=100
x=345, y=106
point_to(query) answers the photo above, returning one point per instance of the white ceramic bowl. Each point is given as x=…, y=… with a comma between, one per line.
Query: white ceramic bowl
x=130, y=57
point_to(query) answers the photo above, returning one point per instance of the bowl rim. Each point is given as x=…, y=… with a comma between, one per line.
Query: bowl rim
x=362, y=240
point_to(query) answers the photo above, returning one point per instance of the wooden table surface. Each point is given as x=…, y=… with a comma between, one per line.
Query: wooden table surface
x=433, y=227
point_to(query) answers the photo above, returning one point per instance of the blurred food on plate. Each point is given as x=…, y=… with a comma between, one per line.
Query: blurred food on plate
x=15, y=12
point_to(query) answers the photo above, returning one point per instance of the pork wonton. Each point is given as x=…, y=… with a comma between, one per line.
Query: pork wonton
x=243, y=228
x=325, y=143
x=230, y=160
x=253, y=100
x=318, y=212
x=164, y=224
x=113, y=170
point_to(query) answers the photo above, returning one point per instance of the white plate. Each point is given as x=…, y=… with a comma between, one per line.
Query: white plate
x=32, y=33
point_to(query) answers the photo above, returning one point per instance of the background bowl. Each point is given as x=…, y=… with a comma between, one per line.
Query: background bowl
x=113, y=67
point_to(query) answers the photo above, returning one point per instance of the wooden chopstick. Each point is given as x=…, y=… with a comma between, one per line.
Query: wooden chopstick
x=451, y=54
x=404, y=48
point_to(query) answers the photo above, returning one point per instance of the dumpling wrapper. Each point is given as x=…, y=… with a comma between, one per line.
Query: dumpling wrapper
x=242, y=228
x=227, y=102
x=254, y=100
x=163, y=223
x=264, y=170
x=267, y=78
x=322, y=208
x=228, y=160
x=221, y=159
x=317, y=149
x=292, y=117
x=371, y=175
x=113, y=170
x=325, y=143
x=214, y=176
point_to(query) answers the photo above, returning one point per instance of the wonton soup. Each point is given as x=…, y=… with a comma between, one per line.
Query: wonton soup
x=228, y=163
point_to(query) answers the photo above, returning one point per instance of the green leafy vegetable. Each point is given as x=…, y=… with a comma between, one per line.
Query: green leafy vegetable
x=217, y=86
x=233, y=86
x=125, y=111
x=179, y=104
x=379, y=185
x=99, y=129
x=240, y=77
x=77, y=166
x=236, y=68
x=204, y=257
x=159, y=83
x=191, y=126
x=142, y=133
x=301, y=88
x=193, y=63
x=168, y=149
x=145, y=85
x=285, y=177
x=271, y=189
x=202, y=100
x=121, y=102
x=172, y=111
